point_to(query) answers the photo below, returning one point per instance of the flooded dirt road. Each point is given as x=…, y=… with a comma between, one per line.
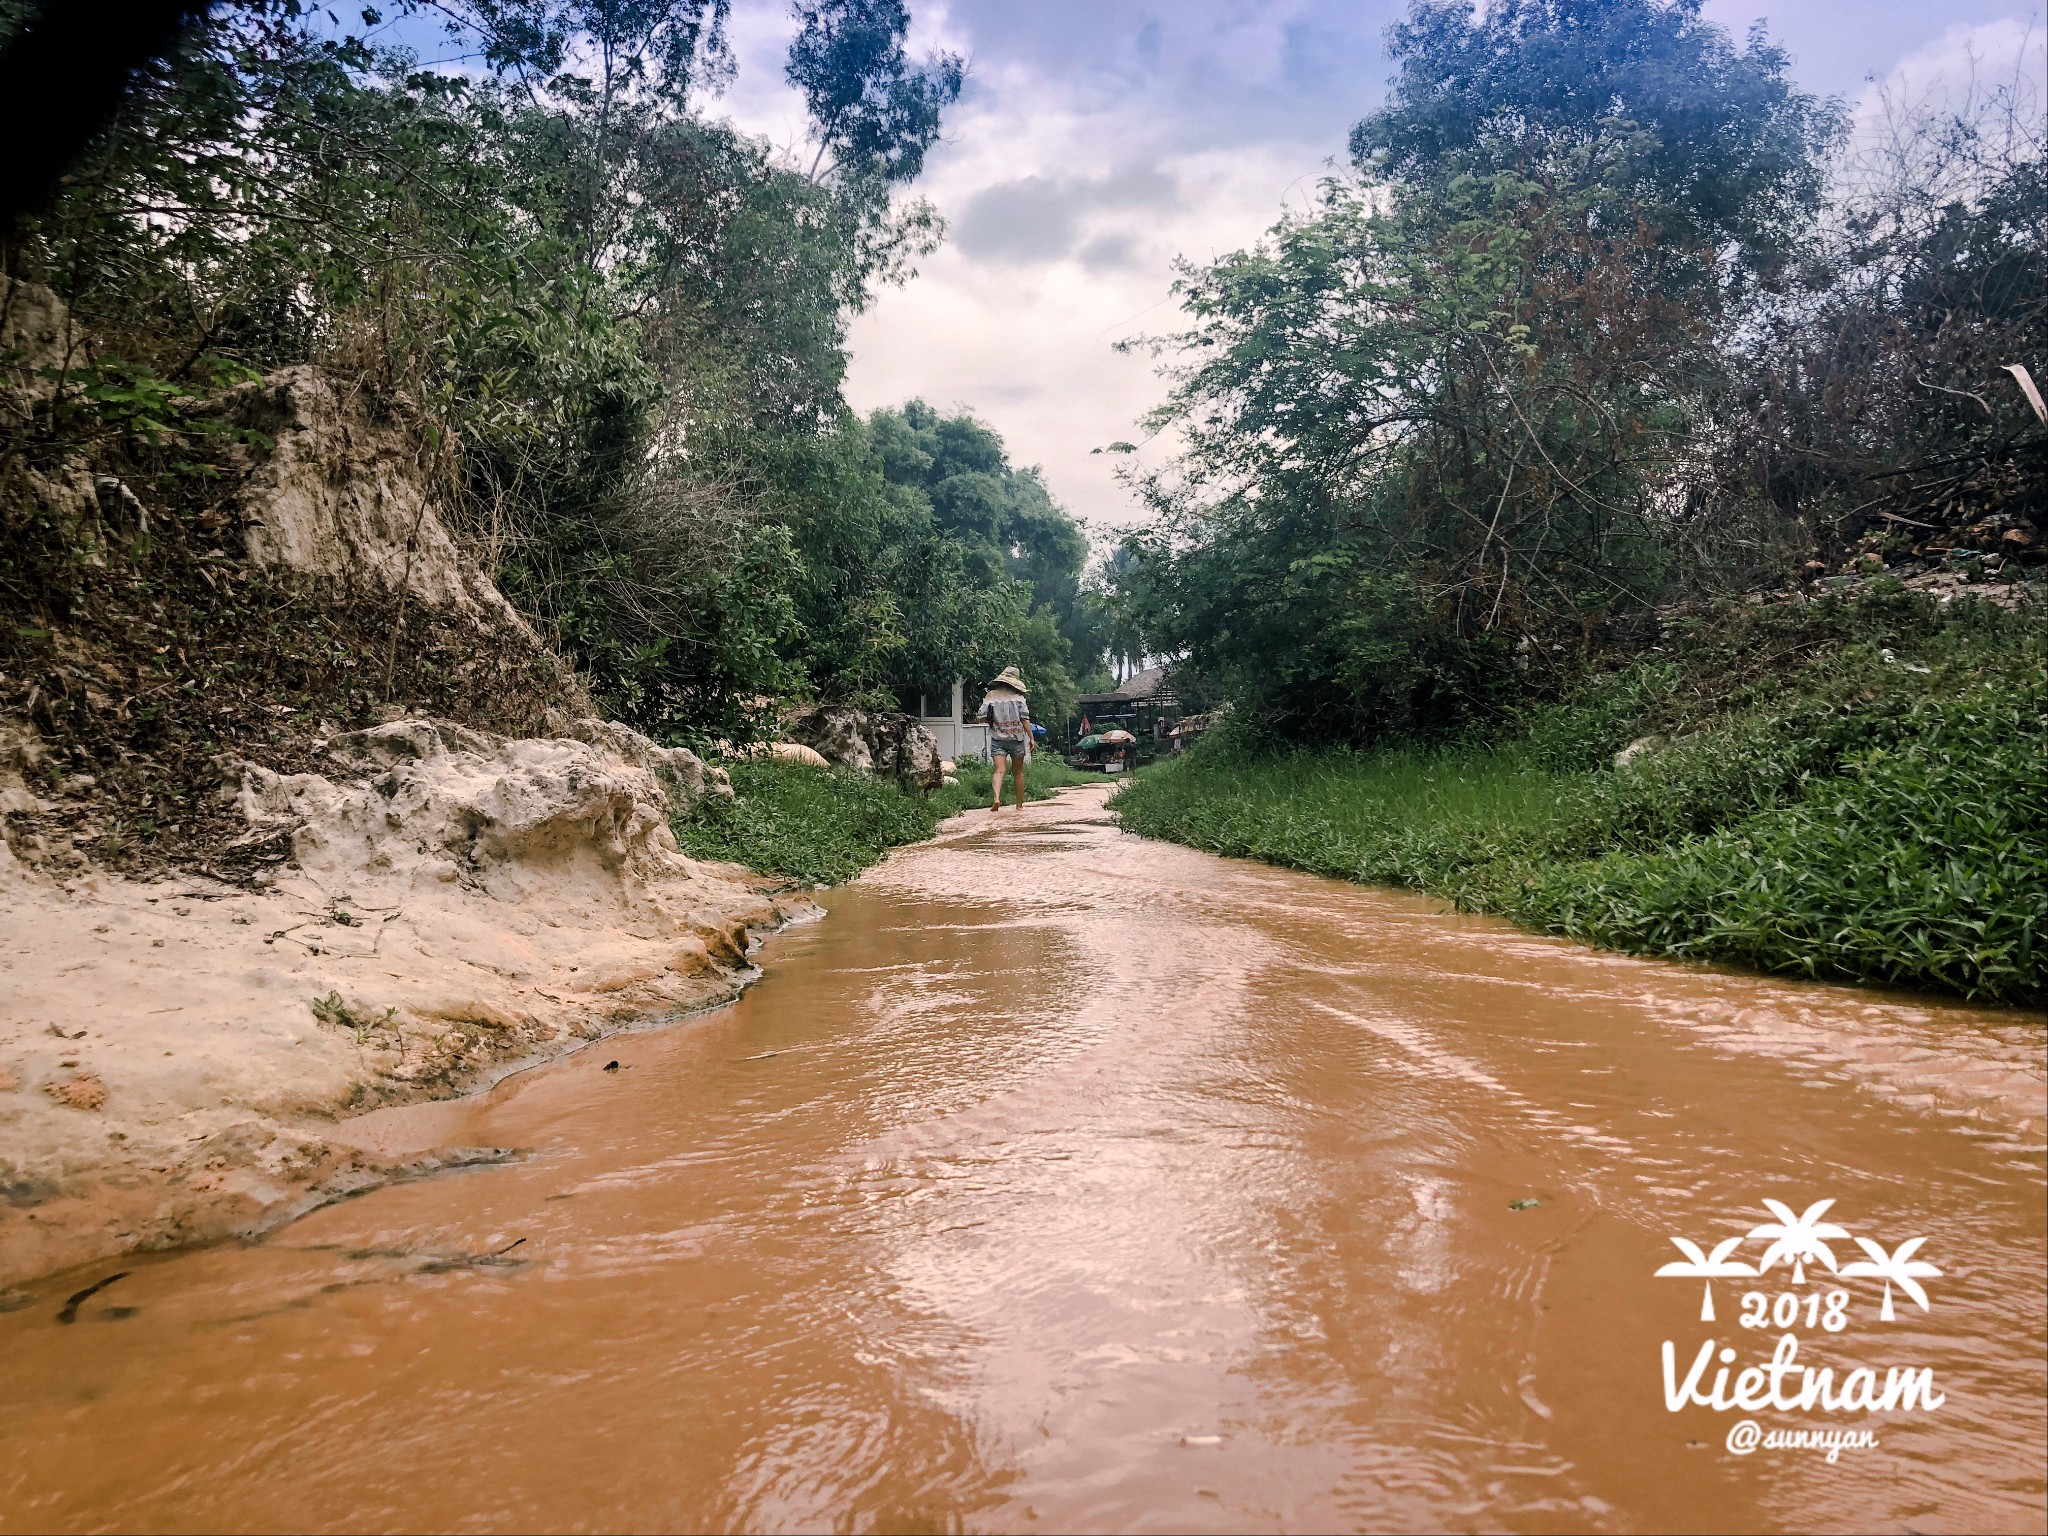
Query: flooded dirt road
x=1061, y=1180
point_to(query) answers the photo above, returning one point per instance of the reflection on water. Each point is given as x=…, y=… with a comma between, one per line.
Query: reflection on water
x=1065, y=1180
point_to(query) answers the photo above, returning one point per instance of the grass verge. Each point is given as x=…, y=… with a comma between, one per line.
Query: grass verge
x=825, y=826
x=1852, y=791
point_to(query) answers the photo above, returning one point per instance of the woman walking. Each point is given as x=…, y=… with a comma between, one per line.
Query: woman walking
x=1008, y=714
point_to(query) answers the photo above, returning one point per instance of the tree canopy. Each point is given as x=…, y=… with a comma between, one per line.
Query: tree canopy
x=623, y=321
x=1526, y=369
x=1648, y=110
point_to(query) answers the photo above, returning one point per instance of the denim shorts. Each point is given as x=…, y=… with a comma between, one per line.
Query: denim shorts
x=1015, y=747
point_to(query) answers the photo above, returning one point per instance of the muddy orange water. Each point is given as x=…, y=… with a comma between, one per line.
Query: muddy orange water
x=1063, y=1180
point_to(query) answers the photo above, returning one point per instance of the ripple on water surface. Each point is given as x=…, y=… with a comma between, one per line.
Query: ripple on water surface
x=1061, y=1179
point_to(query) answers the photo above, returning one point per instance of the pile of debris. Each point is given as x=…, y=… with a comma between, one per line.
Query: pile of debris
x=1970, y=525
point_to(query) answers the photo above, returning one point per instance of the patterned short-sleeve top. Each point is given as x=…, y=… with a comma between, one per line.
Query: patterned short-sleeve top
x=1008, y=715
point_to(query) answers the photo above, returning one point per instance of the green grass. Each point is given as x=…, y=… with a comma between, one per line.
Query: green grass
x=1872, y=805
x=824, y=826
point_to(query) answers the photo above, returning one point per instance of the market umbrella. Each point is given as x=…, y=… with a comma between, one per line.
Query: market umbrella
x=1117, y=736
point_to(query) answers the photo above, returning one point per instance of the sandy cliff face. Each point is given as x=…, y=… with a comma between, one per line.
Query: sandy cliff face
x=174, y=1054
x=345, y=497
x=320, y=919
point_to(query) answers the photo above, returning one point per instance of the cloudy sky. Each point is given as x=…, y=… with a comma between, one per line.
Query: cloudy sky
x=1099, y=139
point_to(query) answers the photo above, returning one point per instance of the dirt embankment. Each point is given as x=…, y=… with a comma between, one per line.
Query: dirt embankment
x=174, y=1053
x=270, y=857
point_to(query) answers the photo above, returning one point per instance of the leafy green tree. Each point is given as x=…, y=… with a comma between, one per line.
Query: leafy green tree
x=1644, y=105
x=875, y=115
x=623, y=323
x=1434, y=427
x=930, y=558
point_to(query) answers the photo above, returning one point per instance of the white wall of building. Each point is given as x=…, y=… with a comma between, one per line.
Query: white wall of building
x=957, y=736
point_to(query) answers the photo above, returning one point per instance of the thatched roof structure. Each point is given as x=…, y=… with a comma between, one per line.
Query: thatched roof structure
x=1148, y=685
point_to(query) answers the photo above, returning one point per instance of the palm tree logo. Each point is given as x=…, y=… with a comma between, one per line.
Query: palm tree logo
x=1708, y=1267
x=1795, y=1239
x=1898, y=1267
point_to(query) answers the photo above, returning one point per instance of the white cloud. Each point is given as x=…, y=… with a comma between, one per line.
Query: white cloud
x=759, y=100
x=1030, y=345
x=1963, y=64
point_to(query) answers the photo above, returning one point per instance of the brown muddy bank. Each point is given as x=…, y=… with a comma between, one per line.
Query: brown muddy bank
x=1065, y=1180
x=177, y=1055
x=297, y=816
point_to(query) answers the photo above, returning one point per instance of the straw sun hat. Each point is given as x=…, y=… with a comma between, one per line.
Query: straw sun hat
x=1009, y=677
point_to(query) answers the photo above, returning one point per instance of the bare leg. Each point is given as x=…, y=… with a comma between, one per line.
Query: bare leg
x=995, y=788
x=1017, y=780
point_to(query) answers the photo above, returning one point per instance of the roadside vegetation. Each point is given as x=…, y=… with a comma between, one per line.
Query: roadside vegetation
x=1620, y=389
x=825, y=826
x=1605, y=314
x=1849, y=790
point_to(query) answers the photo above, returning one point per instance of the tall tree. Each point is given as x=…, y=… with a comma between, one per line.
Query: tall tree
x=1435, y=424
x=622, y=322
x=873, y=114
